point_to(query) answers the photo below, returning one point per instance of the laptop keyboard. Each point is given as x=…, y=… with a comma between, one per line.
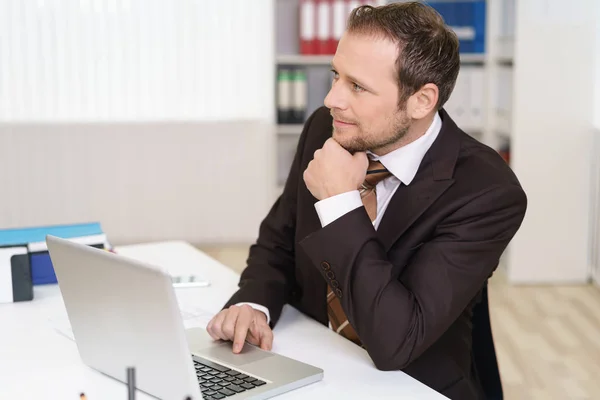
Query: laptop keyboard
x=218, y=382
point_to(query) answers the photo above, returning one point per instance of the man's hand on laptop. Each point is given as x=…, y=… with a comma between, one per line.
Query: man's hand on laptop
x=240, y=324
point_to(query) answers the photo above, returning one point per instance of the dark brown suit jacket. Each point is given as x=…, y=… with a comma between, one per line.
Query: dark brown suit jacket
x=408, y=288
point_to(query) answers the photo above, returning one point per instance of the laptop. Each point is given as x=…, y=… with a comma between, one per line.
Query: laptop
x=124, y=313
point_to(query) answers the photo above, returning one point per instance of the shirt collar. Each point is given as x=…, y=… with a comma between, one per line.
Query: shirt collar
x=404, y=162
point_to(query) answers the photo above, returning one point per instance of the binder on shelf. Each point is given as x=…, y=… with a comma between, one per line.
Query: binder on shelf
x=299, y=93
x=322, y=23
x=467, y=19
x=459, y=104
x=477, y=95
x=324, y=34
x=339, y=16
x=33, y=239
x=292, y=95
x=284, y=96
x=308, y=32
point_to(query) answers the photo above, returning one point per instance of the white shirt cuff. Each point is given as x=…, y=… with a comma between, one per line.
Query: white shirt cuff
x=258, y=307
x=334, y=207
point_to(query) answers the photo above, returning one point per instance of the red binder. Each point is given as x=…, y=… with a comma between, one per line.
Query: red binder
x=308, y=31
x=339, y=16
x=323, y=26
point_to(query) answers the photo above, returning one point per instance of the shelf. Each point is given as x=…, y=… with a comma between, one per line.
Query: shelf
x=290, y=129
x=504, y=60
x=301, y=59
x=472, y=58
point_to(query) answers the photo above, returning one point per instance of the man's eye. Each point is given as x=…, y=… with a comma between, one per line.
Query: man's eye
x=335, y=74
x=357, y=88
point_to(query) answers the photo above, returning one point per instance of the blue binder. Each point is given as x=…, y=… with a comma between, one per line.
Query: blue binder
x=467, y=18
x=34, y=238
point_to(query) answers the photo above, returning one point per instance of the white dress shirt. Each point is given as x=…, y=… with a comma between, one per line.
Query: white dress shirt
x=403, y=163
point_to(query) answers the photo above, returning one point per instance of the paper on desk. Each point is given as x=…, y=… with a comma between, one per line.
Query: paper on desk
x=193, y=317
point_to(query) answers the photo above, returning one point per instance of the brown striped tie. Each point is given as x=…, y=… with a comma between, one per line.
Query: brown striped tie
x=337, y=317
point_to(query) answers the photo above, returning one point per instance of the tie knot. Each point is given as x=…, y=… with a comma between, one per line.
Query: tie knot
x=376, y=172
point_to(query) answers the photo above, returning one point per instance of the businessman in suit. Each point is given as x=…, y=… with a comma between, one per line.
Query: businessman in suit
x=392, y=218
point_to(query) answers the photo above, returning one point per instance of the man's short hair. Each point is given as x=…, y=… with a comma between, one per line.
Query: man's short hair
x=428, y=50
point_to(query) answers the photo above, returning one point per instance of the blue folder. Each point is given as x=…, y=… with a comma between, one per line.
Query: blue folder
x=42, y=271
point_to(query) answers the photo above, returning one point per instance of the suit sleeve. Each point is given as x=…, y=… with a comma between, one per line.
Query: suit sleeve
x=398, y=318
x=269, y=277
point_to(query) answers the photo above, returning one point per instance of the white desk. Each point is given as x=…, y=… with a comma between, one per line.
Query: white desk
x=37, y=362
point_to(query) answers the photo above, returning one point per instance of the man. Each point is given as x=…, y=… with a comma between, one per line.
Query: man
x=394, y=259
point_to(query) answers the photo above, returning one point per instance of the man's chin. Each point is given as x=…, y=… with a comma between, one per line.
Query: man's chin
x=351, y=146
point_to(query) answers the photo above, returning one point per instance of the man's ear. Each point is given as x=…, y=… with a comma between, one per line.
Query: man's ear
x=423, y=101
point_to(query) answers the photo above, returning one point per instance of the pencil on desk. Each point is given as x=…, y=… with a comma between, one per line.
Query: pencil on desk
x=131, y=382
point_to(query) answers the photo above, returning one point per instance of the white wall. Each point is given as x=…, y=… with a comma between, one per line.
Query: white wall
x=597, y=70
x=107, y=60
x=552, y=138
x=595, y=228
x=142, y=114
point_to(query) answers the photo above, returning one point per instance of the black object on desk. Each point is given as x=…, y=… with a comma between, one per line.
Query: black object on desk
x=15, y=272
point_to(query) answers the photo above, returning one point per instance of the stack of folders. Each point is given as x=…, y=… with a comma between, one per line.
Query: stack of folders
x=291, y=95
x=465, y=105
x=322, y=23
x=25, y=261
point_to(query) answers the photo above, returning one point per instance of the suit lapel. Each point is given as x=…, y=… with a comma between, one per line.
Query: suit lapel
x=407, y=204
x=434, y=177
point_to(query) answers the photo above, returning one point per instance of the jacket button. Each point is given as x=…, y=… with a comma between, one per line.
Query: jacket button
x=325, y=265
x=330, y=275
x=338, y=293
x=335, y=284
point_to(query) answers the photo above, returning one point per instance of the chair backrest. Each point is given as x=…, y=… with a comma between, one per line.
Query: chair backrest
x=485, y=363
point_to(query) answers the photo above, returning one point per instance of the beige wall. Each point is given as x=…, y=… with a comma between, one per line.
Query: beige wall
x=202, y=182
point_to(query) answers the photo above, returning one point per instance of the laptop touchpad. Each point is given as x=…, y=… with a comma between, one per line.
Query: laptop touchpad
x=224, y=353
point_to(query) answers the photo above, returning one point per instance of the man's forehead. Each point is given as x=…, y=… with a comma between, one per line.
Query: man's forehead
x=360, y=54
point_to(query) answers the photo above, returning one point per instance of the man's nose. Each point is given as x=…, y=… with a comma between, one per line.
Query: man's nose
x=336, y=98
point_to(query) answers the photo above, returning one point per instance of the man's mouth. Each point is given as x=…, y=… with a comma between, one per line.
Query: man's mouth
x=341, y=123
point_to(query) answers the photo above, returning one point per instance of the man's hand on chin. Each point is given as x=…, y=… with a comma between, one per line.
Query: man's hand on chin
x=333, y=170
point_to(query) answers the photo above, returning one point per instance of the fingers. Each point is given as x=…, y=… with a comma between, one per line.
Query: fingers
x=261, y=335
x=228, y=327
x=266, y=339
x=244, y=319
x=253, y=334
x=362, y=159
x=362, y=156
x=214, y=326
x=222, y=326
x=240, y=324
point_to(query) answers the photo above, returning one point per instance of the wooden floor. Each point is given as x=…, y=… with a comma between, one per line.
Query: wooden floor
x=547, y=338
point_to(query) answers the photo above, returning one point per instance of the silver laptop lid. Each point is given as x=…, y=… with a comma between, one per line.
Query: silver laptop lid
x=125, y=314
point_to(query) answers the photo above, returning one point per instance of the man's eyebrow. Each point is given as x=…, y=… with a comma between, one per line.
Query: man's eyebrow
x=357, y=81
